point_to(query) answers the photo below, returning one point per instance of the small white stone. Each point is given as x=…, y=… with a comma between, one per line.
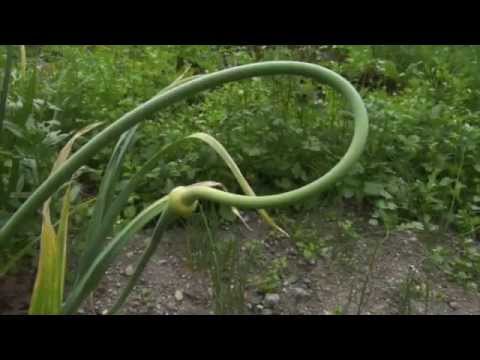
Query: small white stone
x=454, y=305
x=271, y=300
x=300, y=292
x=129, y=271
x=178, y=295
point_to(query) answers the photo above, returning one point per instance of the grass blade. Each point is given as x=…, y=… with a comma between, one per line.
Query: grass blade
x=30, y=95
x=62, y=239
x=94, y=238
x=5, y=85
x=165, y=219
x=23, y=59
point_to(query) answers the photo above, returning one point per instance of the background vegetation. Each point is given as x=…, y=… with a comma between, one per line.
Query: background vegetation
x=420, y=172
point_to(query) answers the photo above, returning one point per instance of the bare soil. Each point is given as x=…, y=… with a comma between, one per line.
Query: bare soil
x=352, y=283
x=318, y=287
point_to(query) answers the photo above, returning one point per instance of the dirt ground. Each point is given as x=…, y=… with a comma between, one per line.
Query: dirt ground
x=15, y=293
x=170, y=287
x=392, y=283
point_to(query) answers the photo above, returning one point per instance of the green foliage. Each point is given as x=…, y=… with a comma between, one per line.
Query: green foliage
x=220, y=255
x=331, y=241
x=30, y=139
x=420, y=170
x=460, y=263
x=271, y=280
x=420, y=165
x=414, y=294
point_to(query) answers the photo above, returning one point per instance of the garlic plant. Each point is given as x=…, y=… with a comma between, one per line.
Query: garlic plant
x=181, y=202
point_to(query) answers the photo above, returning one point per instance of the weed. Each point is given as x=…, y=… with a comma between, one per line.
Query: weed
x=461, y=263
x=415, y=294
x=271, y=280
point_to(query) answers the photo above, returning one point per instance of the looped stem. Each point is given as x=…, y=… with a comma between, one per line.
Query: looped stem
x=179, y=202
x=188, y=89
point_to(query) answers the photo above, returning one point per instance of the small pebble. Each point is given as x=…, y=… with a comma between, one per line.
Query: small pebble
x=453, y=305
x=178, y=295
x=129, y=271
x=271, y=300
x=300, y=293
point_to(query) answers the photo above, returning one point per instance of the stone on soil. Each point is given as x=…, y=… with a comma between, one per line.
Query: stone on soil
x=129, y=271
x=300, y=293
x=179, y=295
x=271, y=300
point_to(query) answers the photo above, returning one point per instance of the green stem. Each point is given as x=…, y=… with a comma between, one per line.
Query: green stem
x=166, y=218
x=189, y=89
x=6, y=82
x=94, y=273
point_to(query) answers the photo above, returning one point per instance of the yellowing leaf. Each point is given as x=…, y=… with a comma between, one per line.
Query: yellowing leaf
x=223, y=153
x=47, y=297
x=45, y=293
